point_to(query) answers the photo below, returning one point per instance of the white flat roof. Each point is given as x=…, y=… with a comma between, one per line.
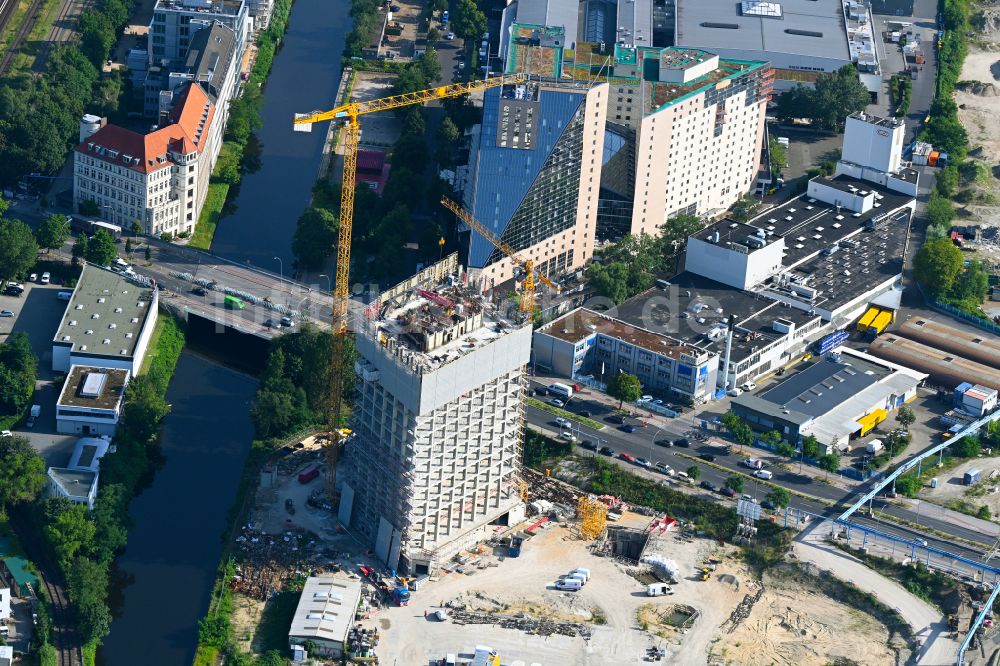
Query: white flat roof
x=326, y=609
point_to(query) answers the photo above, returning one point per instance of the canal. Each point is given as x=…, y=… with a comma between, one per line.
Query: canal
x=166, y=573
x=304, y=77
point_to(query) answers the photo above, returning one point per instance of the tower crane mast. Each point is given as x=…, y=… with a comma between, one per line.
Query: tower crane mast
x=348, y=114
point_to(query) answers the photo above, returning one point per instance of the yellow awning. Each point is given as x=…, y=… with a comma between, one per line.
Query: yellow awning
x=869, y=421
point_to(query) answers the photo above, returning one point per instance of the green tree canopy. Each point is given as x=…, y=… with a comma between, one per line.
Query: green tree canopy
x=22, y=471
x=779, y=497
x=810, y=447
x=101, y=249
x=745, y=208
x=972, y=284
x=829, y=462
x=67, y=529
x=677, y=229
x=694, y=472
x=315, y=237
x=625, y=387
x=834, y=97
x=53, y=232
x=937, y=265
x=905, y=416
x=736, y=483
x=627, y=267
x=469, y=22
x=18, y=249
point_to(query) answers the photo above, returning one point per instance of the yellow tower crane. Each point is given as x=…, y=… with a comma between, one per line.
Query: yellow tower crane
x=348, y=115
x=530, y=275
x=593, y=516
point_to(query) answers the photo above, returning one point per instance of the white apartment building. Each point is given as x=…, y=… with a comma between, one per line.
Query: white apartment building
x=685, y=133
x=160, y=179
x=438, y=421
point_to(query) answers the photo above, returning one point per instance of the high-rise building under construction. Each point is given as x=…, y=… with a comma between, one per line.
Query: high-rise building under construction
x=433, y=466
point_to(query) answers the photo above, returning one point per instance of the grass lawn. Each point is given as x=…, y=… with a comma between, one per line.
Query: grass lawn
x=25, y=58
x=154, y=340
x=552, y=409
x=20, y=13
x=204, y=231
x=206, y=656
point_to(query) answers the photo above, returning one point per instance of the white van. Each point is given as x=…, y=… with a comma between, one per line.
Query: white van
x=658, y=590
x=569, y=584
x=561, y=390
x=577, y=576
x=581, y=570
x=763, y=474
x=450, y=660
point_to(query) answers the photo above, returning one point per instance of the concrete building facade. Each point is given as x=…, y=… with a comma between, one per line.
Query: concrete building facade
x=535, y=164
x=158, y=180
x=175, y=23
x=90, y=402
x=585, y=343
x=107, y=324
x=438, y=425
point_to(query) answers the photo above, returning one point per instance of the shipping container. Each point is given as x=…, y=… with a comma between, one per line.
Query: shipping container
x=309, y=473
x=932, y=159
x=971, y=477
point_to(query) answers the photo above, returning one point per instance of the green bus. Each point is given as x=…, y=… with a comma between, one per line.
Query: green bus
x=233, y=303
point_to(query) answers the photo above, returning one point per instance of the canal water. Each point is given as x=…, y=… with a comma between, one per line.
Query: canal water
x=168, y=567
x=305, y=77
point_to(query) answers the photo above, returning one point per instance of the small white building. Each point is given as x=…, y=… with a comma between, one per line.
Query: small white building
x=107, y=324
x=78, y=480
x=91, y=401
x=6, y=655
x=4, y=604
x=325, y=614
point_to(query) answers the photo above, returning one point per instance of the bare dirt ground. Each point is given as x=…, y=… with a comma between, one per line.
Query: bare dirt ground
x=792, y=626
x=377, y=129
x=984, y=493
x=623, y=621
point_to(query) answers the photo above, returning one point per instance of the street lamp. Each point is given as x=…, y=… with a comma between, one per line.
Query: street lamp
x=329, y=285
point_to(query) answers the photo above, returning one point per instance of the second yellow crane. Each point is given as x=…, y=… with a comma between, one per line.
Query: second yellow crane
x=528, y=265
x=348, y=114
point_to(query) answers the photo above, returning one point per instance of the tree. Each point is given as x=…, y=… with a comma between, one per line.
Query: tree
x=905, y=416
x=148, y=253
x=829, y=462
x=972, y=284
x=89, y=207
x=22, y=471
x=315, y=237
x=777, y=155
x=779, y=497
x=908, y=484
x=947, y=181
x=53, y=232
x=694, y=472
x=625, y=387
x=101, y=248
x=87, y=584
x=810, y=447
x=940, y=211
x=67, y=529
x=80, y=248
x=677, y=229
x=745, y=208
x=469, y=22
x=433, y=35
x=18, y=250
x=627, y=267
x=447, y=139
x=834, y=97
x=735, y=483
x=937, y=265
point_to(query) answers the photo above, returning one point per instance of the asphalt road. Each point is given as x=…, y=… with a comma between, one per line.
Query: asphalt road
x=641, y=444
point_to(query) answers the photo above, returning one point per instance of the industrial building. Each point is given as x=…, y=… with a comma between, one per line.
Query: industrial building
x=91, y=400
x=325, y=614
x=592, y=343
x=945, y=369
x=843, y=395
x=437, y=422
x=800, y=38
x=78, y=480
x=534, y=167
x=758, y=293
x=6, y=655
x=981, y=347
x=107, y=323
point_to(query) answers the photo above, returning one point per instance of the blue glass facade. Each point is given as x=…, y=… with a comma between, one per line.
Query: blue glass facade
x=527, y=194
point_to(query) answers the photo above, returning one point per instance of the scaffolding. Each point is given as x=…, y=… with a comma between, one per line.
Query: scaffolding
x=593, y=515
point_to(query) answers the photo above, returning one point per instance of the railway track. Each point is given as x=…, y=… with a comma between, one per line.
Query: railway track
x=34, y=13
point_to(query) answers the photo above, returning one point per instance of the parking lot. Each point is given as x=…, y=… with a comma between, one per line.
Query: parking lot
x=37, y=313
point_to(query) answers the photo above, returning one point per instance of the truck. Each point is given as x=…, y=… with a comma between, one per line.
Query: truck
x=36, y=410
x=753, y=463
x=874, y=446
x=514, y=548
x=561, y=390
x=401, y=595
x=309, y=473
x=90, y=227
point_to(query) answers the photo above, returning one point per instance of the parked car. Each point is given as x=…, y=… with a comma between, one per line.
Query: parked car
x=287, y=322
x=199, y=291
x=33, y=277
x=664, y=442
x=708, y=485
x=642, y=462
x=683, y=443
x=46, y=278
x=627, y=457
x=589, y=445
x=585, y=412
x=628, y=427
x=749, y=386
x=6, y=313
x=394, y=8
x=645, y=398
x=14, y=290
x=665, y=468
x=606, y=451
x=707, y=456
x=6, y=433
x=557, y=402
x=727, y=491
x=269, y=323
x=735, y=392
x=768, y=504
x=450, y=36
x=615, y=418
x=568, y=436
x=541, y=390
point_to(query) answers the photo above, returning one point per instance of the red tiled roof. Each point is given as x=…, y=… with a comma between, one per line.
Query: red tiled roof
x=192, y=116
x=371, y=160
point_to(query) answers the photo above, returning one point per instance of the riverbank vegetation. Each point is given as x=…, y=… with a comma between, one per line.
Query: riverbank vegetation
x=84, y=543
x=235, y=157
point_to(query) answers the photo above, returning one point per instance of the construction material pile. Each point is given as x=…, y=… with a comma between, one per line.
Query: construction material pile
x=529, y=625
x=662, y=565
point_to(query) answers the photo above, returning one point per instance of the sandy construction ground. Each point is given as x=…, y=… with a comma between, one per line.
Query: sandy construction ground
x=792, y=626
x=985, y=492
x=978, y=113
